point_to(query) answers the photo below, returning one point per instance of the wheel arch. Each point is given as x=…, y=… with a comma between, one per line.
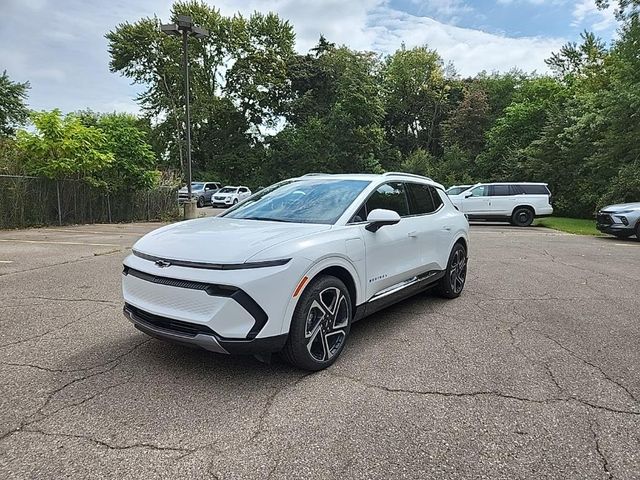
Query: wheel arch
x=338, y=267
x=524, y=205
x=345, y=276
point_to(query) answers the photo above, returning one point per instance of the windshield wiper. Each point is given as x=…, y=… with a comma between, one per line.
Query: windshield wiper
x=266, y=219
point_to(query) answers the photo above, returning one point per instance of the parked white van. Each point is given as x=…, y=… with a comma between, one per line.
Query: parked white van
x=517, y=203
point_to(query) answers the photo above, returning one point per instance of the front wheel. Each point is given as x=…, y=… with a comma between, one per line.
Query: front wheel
x=320, y=324
x=451, y=285
x=200, y=203
x=522, y=217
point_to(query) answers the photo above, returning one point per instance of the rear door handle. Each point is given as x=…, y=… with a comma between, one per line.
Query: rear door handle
x=446, y=227
x=413, y=234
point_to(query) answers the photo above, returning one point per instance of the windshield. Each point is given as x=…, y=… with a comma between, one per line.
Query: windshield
x=227, y=190
x=301, y=201
x=457, y=190
x=196, y=186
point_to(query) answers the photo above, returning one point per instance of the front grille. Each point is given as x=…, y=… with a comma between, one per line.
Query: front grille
x=185, y=328
x=604, y=219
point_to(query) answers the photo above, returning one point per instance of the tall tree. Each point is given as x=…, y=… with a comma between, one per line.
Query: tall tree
x=239, y=83
x=415, y=93
x=13, y=110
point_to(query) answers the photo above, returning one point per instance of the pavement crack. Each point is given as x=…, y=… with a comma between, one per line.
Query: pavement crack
x=39, y=416
x=54, y=329
x=63, y=299
x=486, y=393
x=603, y=458
x=111, y=446
x=592, y=365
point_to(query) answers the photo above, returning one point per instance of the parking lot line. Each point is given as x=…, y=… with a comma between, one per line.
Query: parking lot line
x=50, y=242
x=6, y=261
x=87, y=232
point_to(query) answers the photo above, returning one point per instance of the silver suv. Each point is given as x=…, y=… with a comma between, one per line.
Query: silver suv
x=622, y=220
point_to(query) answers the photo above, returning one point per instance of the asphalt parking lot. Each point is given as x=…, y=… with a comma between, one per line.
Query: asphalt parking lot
x=534, y=372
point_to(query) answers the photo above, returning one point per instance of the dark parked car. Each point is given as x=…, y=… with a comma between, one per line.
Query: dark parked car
x=202, y=192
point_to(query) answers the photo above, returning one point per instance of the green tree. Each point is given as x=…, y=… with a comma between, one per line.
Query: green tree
x=133, y=165
x=415, y=94
x=13, y=110
x=64, y=148
x=335, y=121
x=239, y=84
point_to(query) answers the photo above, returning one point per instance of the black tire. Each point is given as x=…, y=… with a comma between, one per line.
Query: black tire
x=235, y=201
x=200, y=202
x=638, y=231
x=522, y=217
x=452, y=284
x=320, y=324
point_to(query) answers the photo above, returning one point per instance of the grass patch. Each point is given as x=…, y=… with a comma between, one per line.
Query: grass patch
x=579, y=226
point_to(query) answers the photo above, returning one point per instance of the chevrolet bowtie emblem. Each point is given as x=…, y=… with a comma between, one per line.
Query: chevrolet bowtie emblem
x=162, y=263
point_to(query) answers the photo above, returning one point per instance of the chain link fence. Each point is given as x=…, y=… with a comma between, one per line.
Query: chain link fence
x=33, y=201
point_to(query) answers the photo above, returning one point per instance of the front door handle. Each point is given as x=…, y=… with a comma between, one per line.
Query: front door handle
x=446, y=227
x=413, y=234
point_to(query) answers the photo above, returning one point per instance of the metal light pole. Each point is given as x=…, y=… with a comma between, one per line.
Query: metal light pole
x=185, y=28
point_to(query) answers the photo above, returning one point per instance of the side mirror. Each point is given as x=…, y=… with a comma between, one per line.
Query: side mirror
x=380, y=217
x=468, y=194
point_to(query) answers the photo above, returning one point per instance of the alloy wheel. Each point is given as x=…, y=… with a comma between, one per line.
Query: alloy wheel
x=325, y=324
x=458, y=270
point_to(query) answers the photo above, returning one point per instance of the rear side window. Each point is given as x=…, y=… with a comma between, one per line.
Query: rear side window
x=501, y=190
x=535, y=189
x=437, y=199
x=390, y=196
x=420, y=199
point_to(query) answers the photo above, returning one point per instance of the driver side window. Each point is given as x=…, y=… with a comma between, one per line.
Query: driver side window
x=389, y=196
x=481, y=191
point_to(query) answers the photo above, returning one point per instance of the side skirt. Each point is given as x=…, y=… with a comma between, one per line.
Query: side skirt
x=397, y=293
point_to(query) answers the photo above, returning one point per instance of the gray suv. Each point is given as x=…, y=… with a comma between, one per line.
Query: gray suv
x=622, y=220
x=201, y=191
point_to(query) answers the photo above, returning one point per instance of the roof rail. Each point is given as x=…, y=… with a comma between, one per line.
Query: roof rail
x=313, y=174
x=386, y=174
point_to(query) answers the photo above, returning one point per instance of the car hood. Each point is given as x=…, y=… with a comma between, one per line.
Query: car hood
x=184, y=190
x=621, y=206
x=221, y=240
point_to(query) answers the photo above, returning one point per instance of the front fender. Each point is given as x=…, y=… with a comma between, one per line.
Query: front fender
x=320, y=265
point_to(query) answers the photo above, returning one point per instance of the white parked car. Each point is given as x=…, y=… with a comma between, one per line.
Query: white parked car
x=291, y=268
x=517, y=203
x=229, y=196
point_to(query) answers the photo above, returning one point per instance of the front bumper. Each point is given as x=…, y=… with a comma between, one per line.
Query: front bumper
x=243, y=304
x=193, y=335
x=614, y=228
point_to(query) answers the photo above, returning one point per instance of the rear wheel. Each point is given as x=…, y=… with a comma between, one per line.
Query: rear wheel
x=320, y=324
x=451, y=285
x=522, y=217
x=638, y=231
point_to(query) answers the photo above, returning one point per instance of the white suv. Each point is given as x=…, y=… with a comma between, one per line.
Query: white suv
x=517, y=203
x=293, y=266
x=229, y=196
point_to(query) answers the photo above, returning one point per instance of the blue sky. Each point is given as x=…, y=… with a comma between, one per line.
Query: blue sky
x=59, y=45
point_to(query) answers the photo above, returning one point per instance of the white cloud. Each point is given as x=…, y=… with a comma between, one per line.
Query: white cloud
x=375, y=25
x=59, y=46
x=586, y=13
x=470, y=50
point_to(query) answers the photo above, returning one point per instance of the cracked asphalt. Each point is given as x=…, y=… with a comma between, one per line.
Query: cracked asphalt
x=534, y=372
